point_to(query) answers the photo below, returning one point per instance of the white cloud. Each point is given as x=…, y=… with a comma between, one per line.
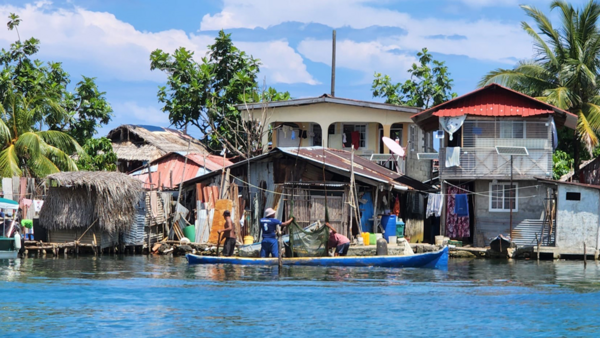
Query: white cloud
x=368, y=57
x=120, y=51
x=280, y=63
x=485, y=39
x=132, y=112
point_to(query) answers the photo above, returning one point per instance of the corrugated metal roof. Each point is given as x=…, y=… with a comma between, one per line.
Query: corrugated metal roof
x=172, y=165
x=496, y=101
x=583, y=185
x=326, y=98
x=339, y=160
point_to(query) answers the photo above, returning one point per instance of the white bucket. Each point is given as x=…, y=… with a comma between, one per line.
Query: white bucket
x=439, y=240
x=378, y=236
x=360, y=240
x=392, y=240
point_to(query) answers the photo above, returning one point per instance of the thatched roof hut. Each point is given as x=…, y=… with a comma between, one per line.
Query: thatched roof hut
x=138, y=144
x=77, y=199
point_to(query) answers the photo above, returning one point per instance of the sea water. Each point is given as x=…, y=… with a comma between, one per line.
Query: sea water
x=144, y=296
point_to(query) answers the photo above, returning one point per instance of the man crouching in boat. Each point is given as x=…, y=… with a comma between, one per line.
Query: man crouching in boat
x=268, y=226
x=340, y=242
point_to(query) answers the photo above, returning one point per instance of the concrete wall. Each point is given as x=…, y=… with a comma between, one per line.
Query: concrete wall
x=489, y=224
x=577, y=221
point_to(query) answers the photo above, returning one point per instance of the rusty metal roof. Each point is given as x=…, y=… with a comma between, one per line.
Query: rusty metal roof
x=583, y=185
x=342, y=160
x=339, y=160
x=496, y=101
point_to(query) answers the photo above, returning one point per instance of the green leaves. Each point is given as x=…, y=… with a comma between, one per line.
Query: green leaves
x=562, y=164
x=205, y=93
x=429, y=84
x=98, y=155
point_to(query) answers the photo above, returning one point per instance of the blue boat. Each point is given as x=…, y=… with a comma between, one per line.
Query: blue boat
x=432, y=260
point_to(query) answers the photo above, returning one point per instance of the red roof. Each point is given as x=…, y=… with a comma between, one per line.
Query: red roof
x=498, y=101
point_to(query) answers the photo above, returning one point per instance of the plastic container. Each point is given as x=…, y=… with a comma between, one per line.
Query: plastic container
x=365, y=237
x=392, y=240
x=388, y=223
x=372, y=239
x=400, y=228
x=359, y=239
x=248, y=240
x=190, y=233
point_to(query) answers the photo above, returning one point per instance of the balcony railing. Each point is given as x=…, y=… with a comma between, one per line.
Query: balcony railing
x=485, y=162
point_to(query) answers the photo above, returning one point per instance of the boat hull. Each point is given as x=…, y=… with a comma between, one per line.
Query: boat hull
x=437, y=260
x=8, y=254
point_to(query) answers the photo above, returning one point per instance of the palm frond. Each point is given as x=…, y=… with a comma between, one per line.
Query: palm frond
x=543, y=49
x=61, y=140
x=586, y=134
x=560, y=97
x=9, y=162
x=29, y=145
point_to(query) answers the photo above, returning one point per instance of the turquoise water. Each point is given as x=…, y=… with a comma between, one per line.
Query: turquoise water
x=163, y=296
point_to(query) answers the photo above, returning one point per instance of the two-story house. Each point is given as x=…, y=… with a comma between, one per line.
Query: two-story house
x=481, y=131
x=339, y=123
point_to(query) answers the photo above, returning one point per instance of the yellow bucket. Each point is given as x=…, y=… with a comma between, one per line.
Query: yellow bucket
x=365, y=236
x=248, y=240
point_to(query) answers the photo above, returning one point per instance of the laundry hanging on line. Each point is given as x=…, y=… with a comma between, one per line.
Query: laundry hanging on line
x=452, y=157
x=434, y=205
x=461, y=205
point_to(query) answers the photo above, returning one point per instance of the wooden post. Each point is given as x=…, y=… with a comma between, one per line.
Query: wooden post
x=538, y=247
x=280, y=248
x=171, y=179
x=159, y=181
x=584, y=255
x=375, y=211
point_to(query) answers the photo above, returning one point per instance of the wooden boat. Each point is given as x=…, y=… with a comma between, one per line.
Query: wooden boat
x=500, y=244
x=9, y=246
x=434, y=260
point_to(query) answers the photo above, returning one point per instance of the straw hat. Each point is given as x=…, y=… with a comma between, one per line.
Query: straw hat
x=269, y=212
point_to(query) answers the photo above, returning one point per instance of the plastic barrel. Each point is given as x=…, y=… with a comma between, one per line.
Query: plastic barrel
x=388, y=223
x=190, y=233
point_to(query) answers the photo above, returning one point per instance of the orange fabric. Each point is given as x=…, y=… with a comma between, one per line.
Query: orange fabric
x=396, y=209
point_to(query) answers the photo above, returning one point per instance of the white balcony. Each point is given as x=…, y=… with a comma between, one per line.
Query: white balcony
x=486, y=163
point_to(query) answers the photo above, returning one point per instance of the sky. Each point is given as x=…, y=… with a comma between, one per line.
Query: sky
x=111, y=40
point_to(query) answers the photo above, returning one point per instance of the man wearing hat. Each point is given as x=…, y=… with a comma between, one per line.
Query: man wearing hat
x=268, y=226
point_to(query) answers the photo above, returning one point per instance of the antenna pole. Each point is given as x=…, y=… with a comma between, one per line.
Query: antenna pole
x=333, y=65
x=512, y=192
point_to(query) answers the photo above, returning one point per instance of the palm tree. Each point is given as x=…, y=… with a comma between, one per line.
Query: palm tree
x=27, y=150
x=565, y=70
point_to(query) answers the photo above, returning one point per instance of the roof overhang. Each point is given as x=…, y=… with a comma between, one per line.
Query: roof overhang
x=328, y=99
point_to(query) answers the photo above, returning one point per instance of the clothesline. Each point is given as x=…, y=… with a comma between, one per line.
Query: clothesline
x=483, y=193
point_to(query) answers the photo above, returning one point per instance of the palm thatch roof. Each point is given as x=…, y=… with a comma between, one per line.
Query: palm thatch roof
x=80, y=198
x=147, y=143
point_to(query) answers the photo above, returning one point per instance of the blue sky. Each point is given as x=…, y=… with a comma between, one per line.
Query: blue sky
x=111, y=40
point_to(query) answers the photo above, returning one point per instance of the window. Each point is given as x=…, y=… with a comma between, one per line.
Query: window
x=502, y=196
x=573, y=196
x=362, y=134
x=512, y=129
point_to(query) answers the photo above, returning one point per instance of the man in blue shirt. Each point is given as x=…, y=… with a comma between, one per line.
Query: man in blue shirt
x=268, y=226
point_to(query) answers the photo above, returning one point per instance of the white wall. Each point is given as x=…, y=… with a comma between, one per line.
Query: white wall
x=577, y=221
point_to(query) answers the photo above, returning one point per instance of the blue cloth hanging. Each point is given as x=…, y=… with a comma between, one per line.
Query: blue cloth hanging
x=461, y=205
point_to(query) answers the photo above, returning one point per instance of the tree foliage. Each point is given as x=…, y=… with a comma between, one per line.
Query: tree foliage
x=562, y=164
x=565, y=70
x=82, y=111
x=100, y=155
x=429, y=84
x=204, y=94
x=40, y=120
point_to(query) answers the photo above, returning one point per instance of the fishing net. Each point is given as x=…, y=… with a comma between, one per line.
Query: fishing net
x=308, y=243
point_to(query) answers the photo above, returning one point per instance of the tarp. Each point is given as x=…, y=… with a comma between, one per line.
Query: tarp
x=8, y=204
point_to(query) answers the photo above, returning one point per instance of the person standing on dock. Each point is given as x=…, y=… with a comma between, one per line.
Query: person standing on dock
x=268, y=226
x=338, y=241
x=230, y=235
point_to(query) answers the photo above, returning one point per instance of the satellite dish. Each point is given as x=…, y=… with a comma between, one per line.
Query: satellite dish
x=393, y=146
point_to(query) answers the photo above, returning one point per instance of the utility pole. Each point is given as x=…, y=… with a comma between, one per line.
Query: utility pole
x=333, y=65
